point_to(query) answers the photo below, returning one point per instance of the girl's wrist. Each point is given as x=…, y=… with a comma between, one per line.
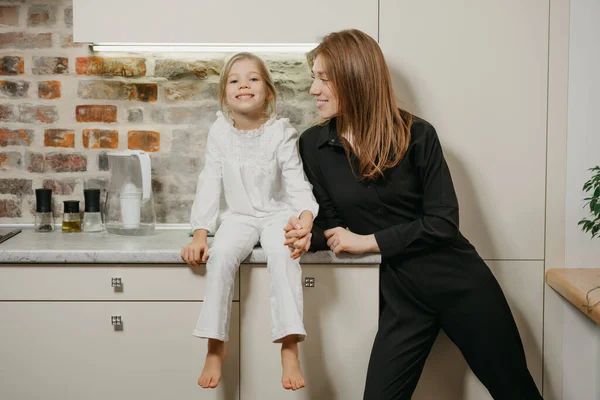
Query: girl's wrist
x=306, y=215
x=306, y=219
x=200, y=235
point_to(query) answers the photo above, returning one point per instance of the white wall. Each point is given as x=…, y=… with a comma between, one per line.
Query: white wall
x=581, y=346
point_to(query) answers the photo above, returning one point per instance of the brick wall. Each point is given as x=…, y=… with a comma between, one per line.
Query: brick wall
x=62, y=108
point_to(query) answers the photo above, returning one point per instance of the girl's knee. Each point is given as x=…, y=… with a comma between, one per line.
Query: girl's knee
x=222, y=258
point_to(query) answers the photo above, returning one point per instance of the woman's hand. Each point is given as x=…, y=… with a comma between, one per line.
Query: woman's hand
x=340, y=239
x=196, y=251
x=297, y=234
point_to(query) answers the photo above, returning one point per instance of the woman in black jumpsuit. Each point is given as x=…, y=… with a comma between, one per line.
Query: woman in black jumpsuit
x=431, y=277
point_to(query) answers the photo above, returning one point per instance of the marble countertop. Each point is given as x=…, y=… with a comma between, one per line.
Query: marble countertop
x=575, y=284
x=163, y=247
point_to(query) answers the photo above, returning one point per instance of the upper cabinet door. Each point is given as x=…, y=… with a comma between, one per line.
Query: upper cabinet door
x=223, y=21
x=477, y=70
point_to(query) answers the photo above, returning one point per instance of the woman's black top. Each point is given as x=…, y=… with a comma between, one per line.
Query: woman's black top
x=412, y=210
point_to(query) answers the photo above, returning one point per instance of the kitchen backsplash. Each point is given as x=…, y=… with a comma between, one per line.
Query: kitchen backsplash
x=62, y=108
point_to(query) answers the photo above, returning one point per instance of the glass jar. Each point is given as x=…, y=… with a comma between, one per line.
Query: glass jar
x=71, y=220
x=92, y=218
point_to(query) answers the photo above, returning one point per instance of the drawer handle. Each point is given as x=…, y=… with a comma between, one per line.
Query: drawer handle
x=116, y=282
x=309, y=281
x=116, y=320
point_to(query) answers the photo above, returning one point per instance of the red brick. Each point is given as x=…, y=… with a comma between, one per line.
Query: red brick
x=65, y=162
x=135, y=115
x=59, y=138
x=24, y=40
x=17, y=187
x=10, y=160
x=9, y=15
x=60, y=186
x=35, y=162
x=41, y=15
x=100, y=139
x=13, y=89
x=143, y=140
x=7, y=113
x=112, y=90
x=96, y=113
x=16, y=137
x=144, y=92
x=50, y=65
x=9, y=209
x=106, y=66
x=49, y=90
x=29, y=113
x=11, y=65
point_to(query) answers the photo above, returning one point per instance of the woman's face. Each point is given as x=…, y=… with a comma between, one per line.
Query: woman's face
x=322, y=89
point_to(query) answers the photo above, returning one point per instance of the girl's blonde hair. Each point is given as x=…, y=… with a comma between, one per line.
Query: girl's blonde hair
x=270, y=106
x=368, y=109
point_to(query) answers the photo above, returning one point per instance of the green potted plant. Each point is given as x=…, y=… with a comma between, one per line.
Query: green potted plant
x=592, y=190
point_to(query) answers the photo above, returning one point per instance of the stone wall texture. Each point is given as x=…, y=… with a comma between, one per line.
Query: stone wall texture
x=63, y=107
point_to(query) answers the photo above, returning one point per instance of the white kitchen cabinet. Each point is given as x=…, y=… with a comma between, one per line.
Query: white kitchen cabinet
x=478, y=70
x=224, y=21
x=115, y=282
x=70, y=351
x=448, y=377
x=340, y=316
x=57, y=340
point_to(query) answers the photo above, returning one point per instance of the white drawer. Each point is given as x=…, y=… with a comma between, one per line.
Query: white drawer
x=80, y=355
x=94, y=282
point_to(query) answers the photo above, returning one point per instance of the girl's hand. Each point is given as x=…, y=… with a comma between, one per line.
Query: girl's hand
x=297, y=235
x=340, y=239
x=195, y=252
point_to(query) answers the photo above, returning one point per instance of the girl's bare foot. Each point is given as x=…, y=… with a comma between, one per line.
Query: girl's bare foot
x=213, y=366
x=292, y=377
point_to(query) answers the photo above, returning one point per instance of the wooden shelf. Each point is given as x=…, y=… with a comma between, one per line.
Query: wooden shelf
x=573, y=284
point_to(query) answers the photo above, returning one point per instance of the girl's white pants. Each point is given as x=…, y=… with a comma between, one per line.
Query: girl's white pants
x=234, y=240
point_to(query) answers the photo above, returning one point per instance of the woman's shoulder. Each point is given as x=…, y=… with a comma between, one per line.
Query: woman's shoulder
x=422, y=129
x=312, y=135
x=424, y=142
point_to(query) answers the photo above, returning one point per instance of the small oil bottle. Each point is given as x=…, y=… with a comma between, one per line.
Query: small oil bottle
x=71, y=221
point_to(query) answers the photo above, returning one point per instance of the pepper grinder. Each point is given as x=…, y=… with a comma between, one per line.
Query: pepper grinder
x=92, y=218
x=44, y=222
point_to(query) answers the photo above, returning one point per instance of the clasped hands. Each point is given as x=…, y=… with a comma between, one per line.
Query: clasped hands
x=298, y=237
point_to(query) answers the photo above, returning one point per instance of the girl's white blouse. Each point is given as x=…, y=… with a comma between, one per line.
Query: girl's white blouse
x=259, y=172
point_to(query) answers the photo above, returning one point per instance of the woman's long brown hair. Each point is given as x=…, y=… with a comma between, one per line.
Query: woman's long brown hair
x=367, y=106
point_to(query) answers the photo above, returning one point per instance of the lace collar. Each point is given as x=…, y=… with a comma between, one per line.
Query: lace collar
x=248, y=133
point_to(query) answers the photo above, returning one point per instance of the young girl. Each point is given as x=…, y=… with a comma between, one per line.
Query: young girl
x=252, y=157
